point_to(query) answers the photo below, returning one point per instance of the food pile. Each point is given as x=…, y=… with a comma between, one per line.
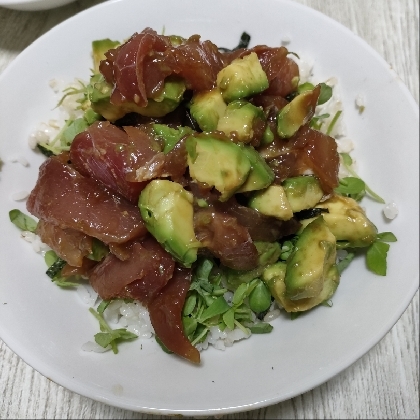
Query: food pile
x=201, y=183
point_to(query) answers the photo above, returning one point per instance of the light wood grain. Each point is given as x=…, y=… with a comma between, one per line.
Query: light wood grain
x=383, y=384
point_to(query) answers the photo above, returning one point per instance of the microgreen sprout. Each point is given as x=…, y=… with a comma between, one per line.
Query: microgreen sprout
x=108, y=336
x=352, y=184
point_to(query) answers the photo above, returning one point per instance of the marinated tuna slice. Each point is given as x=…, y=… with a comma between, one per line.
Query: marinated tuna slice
x=113, y=157
x=69, y=244
x=307, y=150
x=138, y=68
x=282, y=72
x=226, y=239
x=320, y=154
x=141, y=276
x=121, y=251
x=63, y=197
x=83, y=271
x=165, y=315
x=198, y=62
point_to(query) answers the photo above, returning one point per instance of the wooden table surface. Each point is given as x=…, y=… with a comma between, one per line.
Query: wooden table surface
x=383, y=384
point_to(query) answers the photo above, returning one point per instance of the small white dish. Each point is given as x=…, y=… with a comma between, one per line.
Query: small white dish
x=46, y=326
x=31, y=5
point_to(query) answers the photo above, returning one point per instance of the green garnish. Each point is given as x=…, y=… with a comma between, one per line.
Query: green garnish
x=103, y=305
x=345, y=262
x=325, y=94
x=261, y=328
x=22, y=220
x=55, y=268
x=108, y=336
x=316, y=122
x=352, y=187
x=72, y=126
x=206, y=306
x=377, y=253
x=347, y=162
x=304, y=87
x=333, y=122
x=99, y=250
x=386, y=237
x=376, y=257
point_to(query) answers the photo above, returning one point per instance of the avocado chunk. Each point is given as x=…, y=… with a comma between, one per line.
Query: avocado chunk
x=207, y=108
x=302, y=192
x=167, y=210
x=298, y=112
x=272, y=201
x=99, y=48
x=170, y=136
x=243, y=77
x=218, y=162
x=274, y=276
x=348, y=222
x=99, y=93
x=239, y=119
x=260, y=176
x=309, y=263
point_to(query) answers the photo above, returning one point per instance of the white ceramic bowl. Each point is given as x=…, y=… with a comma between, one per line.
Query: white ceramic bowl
x=47, y=326
x=30, y=5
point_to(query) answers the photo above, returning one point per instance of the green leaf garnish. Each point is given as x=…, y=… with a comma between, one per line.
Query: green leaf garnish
x=304, y=87
x=345, y=262
x=22, y=221
x=62, y=282
x=347, y=162
x=261, y=328
x=376, y=257
x=50, y=258
x=325, y=94
x=333, y=122
x=316, y=122
x=229, y=318
x=386, y=237
x=218, y=307
x=352, y=187
x=108, y=336
x=103, y=305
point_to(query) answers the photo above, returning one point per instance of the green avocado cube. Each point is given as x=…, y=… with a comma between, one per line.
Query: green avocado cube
x=217, y=161
x=243, y=77
x=312, y=258
x=167, y=210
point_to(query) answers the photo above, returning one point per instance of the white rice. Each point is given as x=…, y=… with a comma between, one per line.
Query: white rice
x=19, y=195
x=87, y=294
x=390, y=210
x=222, y=339
x=46, y=132
x=360, y=102
x=133, y=316
x=37, y=245
x=19, y=159
x=94, y=347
